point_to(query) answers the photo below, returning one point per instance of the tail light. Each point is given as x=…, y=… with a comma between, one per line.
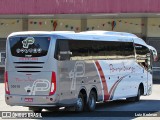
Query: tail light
x=53, y=84
x=156, y=58
x=6, y=82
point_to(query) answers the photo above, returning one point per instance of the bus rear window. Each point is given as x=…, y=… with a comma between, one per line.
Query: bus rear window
x=29, y=46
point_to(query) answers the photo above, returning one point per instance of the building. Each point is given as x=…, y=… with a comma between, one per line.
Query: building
x=140, y=17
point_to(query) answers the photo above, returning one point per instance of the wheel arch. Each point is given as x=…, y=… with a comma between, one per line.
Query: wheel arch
x=83, y=90
x=141, y=87
x=94, y=89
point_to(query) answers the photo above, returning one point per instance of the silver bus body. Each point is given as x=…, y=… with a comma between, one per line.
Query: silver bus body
x=41, y=74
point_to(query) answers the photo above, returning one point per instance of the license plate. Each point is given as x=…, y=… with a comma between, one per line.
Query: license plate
x=28, y=99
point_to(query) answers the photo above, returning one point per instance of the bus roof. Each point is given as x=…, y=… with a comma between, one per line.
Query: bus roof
x=38, y=33
x=88, y=35
x=98, y=32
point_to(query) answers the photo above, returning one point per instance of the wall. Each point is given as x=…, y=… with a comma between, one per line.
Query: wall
x=132, y=25
x=8, y=26
x=153, y=27
x=121, y=25
x=49, y=24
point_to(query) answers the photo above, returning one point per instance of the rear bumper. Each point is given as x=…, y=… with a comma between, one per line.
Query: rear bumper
x=43, y=101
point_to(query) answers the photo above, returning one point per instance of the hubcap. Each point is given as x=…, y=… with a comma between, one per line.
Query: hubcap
x=139, y=93
x=79, y=104
x=92, y=102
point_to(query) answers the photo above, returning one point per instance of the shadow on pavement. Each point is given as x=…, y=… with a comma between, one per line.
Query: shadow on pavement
x=119, y=108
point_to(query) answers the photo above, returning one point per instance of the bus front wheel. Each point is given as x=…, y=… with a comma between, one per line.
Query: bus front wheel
x=136, y=98
x=91, y=101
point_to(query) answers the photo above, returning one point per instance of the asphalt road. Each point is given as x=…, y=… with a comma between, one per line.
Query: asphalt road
x=114, y=110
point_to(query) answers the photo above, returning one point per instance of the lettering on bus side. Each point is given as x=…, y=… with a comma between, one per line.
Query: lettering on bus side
x=123, y=68
x=15, y=86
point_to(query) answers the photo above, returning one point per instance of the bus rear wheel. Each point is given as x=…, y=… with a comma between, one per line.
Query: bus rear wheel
x=91, y=104
x=80, y=103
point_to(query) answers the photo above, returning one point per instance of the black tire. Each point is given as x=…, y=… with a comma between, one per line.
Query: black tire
x=53, y=109
x=80, y=103
x=130, y=99
x=136, y=98
x=91, y=104
x=70, y=108
x=36, y=109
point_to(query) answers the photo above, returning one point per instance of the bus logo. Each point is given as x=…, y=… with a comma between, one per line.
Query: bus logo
x=28, y=41
x=35, y=87
x=78, y=71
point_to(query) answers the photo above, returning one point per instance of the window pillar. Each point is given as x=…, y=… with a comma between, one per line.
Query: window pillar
x=83, y=24
x=25, y=24
x=144, y=27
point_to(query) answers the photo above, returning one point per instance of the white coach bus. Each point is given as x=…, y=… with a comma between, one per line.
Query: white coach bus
x=48, y=70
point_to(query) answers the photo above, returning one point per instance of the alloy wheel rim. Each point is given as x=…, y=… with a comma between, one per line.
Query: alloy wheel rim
x=79, y=104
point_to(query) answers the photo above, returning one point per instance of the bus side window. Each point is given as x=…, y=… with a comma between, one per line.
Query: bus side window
x=143, y=56
x=80, y=49
x=62, y=50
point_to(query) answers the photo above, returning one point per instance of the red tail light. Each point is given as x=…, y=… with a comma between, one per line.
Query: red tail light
x=53, y=84
x=156, y=59
x=6, y=82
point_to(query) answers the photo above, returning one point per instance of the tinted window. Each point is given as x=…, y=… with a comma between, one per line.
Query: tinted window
x=92, y=50
x=101, y=49
x=29, y=46
x=113, y=50
x=62, y=50
x=80, y=49
x=143, y=56
x=141, y=51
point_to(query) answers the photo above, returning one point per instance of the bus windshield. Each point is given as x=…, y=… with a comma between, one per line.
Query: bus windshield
x=29, y=46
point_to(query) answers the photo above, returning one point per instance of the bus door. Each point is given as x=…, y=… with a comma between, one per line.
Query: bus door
x=143, y=57
x=150, y=72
